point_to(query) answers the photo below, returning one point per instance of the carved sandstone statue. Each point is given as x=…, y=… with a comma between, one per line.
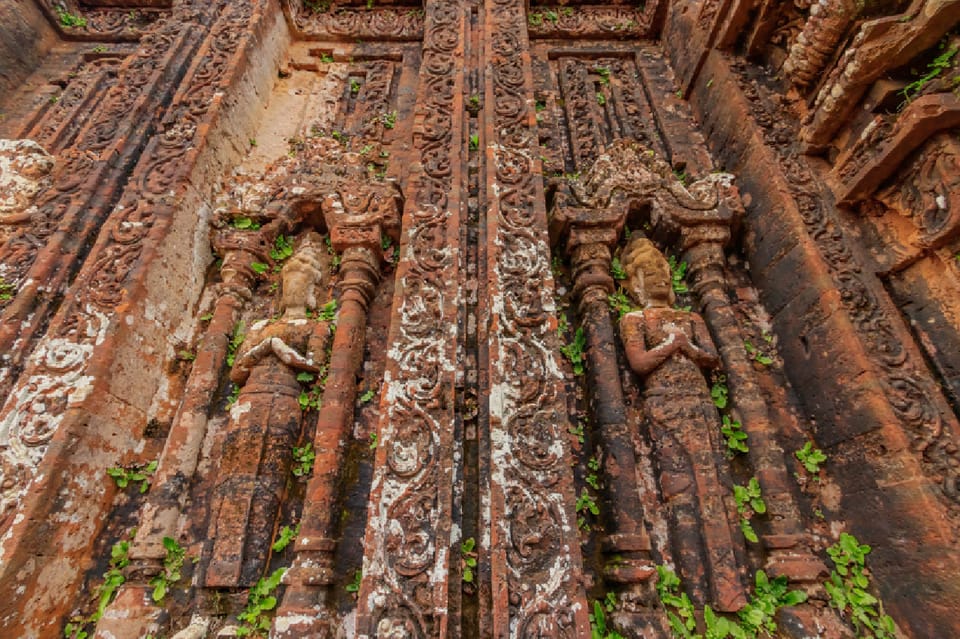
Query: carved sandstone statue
x=294, y=339
x=265, y=421
x=670, y=350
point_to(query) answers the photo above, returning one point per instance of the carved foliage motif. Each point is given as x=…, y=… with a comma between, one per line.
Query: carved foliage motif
x=586, y=138
x=708, y=13
x=405, y=566
x=588, y=22
x=928, y=187
x=910, y=393
x=112, y=24
x=60, y=122
x=55, y=375
x=525, y=406
x=62, y=205
x=347, y=23
x=603, y=100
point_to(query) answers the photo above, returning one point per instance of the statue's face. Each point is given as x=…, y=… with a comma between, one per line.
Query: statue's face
x=648, y=275
x=298, y=289
x=651, y=286
x=23, y=166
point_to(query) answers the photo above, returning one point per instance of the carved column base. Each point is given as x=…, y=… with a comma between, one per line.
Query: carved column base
x=629, y=558
x=132, y=615
x=790, y=556
x=303, y=623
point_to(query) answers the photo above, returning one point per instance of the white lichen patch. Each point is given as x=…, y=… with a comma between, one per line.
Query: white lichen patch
x=24, y=171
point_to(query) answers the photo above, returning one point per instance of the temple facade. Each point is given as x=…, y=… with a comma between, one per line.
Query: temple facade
x=479, y=318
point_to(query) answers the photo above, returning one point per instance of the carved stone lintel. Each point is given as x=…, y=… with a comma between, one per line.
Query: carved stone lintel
x=880, y=45
x=875, y=157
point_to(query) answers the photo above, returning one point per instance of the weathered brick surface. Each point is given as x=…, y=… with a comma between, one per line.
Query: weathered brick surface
x=438, y=308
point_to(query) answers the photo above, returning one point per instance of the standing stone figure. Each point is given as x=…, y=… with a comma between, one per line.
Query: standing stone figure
x=670, y=350
x=265, y=421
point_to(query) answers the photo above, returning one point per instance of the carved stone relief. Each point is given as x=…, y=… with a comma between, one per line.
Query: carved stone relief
x=434, y=318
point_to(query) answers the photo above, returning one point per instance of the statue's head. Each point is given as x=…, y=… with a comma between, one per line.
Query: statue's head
x=23, y=167
x=302, y=274
x=648, y=274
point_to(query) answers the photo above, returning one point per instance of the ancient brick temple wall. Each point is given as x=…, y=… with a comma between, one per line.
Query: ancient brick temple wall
x=479, y=318
x=26, y=38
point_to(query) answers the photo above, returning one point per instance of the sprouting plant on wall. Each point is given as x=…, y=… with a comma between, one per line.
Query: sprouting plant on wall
x=577, y=431
x=328, y=312
x=755, y=618
x=335, y=258
x=236, y=339
x=124, y=476
x=749, y=501
x=619, y=303
x=604, y=74
x=260, y=601
x=562, y=324
x=317, y=6
x=598, y=623
x=6, y=290
x=680, y=610
x=810, y=457
x=244, y=224
x=282, y=248
x=172, y=564
x=389, y=119
x=303, y=458
x=535, y=19
x=616, y=269
x=574, y=351
x=234, y=394
x=586, y=504
x=719, y=392
x=733, y=432
x=678, y=273
x=284, y=537
x=71, y=20
x=756, y=354
x=468, y=559
x=354, y=586
x=592, y=478
x=934, y=69
x=105, y=592
x=847, y=587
